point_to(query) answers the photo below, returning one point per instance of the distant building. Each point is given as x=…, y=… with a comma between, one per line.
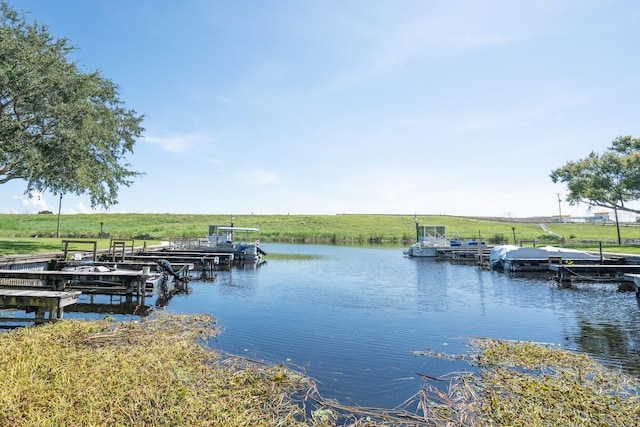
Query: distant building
x=561, y=218
x=600, y=217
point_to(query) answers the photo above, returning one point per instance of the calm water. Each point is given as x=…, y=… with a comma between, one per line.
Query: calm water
x=353, y=317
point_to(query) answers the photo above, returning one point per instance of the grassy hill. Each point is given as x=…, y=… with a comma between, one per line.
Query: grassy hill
x=330, y=229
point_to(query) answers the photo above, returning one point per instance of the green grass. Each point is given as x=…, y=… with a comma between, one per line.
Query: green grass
x=33, y=232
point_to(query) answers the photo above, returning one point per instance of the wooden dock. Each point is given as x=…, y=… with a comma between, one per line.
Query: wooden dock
x=38, y=301
x=635, y=278
x=464, y=253
x=207, y=261
x=118, y=281
x=593, y=272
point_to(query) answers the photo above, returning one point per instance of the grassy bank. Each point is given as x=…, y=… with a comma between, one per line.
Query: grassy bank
x=331, y=229
x=157, y=373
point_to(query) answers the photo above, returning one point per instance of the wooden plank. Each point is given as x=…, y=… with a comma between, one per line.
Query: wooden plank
x=73, y=275
x=607, y=268
x=13, y=298
x=635, y=278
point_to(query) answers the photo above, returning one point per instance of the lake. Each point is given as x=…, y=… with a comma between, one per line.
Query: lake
x=356, y=318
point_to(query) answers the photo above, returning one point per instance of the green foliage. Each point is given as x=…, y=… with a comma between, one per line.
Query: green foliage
x=607, y=180
x=498, y=239
x=61, y=130
x=550, y=239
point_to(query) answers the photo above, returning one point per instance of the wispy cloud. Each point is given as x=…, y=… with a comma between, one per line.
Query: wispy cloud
x=435, y=32
x=179, y=143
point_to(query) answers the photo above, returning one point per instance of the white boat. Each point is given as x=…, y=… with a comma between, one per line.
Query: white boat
x=516, y=258
x=221, y=239
x=430, y=238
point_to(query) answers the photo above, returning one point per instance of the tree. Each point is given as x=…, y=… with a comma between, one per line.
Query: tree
x=608, y=180
x=61, y=130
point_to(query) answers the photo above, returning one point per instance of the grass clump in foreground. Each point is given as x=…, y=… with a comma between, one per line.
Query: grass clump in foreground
x=151, y=373
x=158, y=373
x=527, y=384
x=534, y=385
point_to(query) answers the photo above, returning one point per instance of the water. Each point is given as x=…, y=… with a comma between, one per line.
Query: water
x=353, y=318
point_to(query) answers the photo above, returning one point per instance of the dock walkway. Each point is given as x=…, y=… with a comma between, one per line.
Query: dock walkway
x=635, y=278
x=120, y=281
x=39, y=301
x=564, y=273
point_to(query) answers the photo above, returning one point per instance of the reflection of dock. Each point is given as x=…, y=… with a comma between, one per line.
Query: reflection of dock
x=39, y=301
x=112, y=305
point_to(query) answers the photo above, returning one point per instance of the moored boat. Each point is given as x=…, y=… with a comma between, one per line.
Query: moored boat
x=517, y=258
x=221, y=240
x=429, y=239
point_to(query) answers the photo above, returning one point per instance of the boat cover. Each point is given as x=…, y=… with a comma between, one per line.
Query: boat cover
x=510, y=252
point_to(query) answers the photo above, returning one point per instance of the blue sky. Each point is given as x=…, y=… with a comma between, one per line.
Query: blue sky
x=360, y=106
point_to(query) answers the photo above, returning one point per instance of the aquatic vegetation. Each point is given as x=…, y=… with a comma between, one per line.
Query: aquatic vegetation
x=159, y=372
x=137, y=373
x=536, y=385
x=528, y=384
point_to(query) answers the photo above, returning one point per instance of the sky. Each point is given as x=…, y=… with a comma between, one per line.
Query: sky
x=354, y=106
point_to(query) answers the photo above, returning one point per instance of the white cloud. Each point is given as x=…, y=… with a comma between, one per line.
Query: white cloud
x=179, y=143
x=77, y=208
x=33, y=202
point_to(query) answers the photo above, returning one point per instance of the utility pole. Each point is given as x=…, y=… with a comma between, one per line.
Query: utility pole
x=560, y=207
x=59, y=209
